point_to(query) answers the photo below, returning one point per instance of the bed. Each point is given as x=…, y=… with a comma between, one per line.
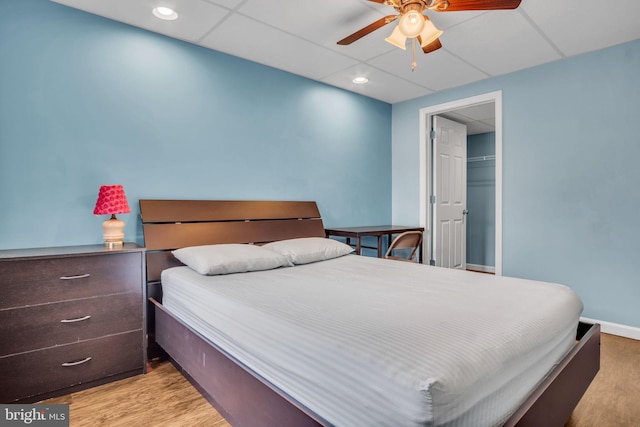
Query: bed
x=250, y=390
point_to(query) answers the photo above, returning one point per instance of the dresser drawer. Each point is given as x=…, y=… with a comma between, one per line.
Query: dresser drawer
x=48, y=325
x=38, y=281
x=39, y=372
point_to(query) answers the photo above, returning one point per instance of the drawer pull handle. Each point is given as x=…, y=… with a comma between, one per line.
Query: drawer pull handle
x=80, y=276
x=79, y=319
x=79, y=362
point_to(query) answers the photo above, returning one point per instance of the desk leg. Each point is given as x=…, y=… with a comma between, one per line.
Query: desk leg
x=380, y=246
x=358, y=245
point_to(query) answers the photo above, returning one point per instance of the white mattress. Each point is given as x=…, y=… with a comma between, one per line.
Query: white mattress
x=371, y=342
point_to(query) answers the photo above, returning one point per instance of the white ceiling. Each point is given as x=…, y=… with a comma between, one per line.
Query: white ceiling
x=299, y=36
x=478, y=118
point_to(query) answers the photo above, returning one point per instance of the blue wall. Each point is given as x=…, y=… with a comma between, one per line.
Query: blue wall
x=570, y=174
x=481, y=200
x=87, y=101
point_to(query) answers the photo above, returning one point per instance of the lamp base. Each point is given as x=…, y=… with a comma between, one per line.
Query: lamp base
x=113, y=232
x=113, y=245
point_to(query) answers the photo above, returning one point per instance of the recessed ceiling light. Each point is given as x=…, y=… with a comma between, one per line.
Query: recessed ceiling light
x=165, y=13
x=360, y=80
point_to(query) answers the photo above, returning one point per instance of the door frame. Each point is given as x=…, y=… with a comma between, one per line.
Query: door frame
x=425, y=162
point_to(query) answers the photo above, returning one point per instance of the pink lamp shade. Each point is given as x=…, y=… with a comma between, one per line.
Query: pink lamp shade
x=112, y=201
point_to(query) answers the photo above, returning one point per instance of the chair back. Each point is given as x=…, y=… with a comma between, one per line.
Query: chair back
x=410, y=241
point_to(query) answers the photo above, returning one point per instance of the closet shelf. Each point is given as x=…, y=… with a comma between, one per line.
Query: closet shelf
x=480, y=158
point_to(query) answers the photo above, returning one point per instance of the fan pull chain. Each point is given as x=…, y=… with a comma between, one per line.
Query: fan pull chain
x=413, y=54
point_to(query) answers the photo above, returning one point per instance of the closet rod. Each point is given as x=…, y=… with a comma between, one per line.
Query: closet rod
x=481, y=158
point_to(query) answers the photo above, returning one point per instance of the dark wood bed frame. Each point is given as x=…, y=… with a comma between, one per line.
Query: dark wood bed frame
x=244, y=398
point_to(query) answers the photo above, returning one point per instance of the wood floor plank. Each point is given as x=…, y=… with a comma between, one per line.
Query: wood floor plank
x=612, y=398
x=164, y=398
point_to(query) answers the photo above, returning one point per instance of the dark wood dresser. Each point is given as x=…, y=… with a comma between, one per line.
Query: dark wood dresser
x=70, y=318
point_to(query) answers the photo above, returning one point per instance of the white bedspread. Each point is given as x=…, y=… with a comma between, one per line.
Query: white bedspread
x=370, y=342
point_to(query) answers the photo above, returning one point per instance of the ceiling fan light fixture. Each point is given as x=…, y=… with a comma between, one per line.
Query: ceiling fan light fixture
x=429, y=33
x=411, y=24
x=397, y=39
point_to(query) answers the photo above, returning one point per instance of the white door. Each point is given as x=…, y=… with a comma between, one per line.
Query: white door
x=450, y=191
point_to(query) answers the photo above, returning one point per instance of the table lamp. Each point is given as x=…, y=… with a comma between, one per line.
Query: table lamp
x=112, y=201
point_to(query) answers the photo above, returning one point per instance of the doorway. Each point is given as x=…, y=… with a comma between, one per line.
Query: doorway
x=426, y=180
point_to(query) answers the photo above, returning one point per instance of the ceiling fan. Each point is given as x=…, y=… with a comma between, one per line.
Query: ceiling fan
x=413, y=24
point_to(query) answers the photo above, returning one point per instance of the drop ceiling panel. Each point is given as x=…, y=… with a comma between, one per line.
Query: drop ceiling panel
x=475, y=128
x=326, y=27
x=499, y=42
x=445, y=20
x=581, y=26
x=368, y=47
x=332, y=21
x=196, y=17
x=378, y=85
x=300, y=37
x=435, y=71
x=231, y=4
x=275, y=48
x=483, y=112
x=478, y=118
x=327, y=17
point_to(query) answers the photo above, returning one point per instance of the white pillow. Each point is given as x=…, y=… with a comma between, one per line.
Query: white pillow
x=309, y=249
x=229, y=258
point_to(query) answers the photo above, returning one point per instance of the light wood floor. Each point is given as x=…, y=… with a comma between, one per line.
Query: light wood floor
x=164, y=398
x=161, y=398
x=613, y=398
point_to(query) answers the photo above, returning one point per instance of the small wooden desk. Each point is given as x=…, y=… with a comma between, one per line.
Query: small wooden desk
x=374, y=230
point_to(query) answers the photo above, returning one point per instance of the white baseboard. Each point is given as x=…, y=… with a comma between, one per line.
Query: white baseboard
x=616, y=328
x=483, y=268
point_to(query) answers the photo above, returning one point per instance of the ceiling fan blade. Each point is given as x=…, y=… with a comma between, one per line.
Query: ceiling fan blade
x=434, y=45
x=368, y=29
x=394, y=3
x=459, y=5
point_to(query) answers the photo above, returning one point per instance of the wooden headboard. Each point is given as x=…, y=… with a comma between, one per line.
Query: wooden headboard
x=173, y=224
